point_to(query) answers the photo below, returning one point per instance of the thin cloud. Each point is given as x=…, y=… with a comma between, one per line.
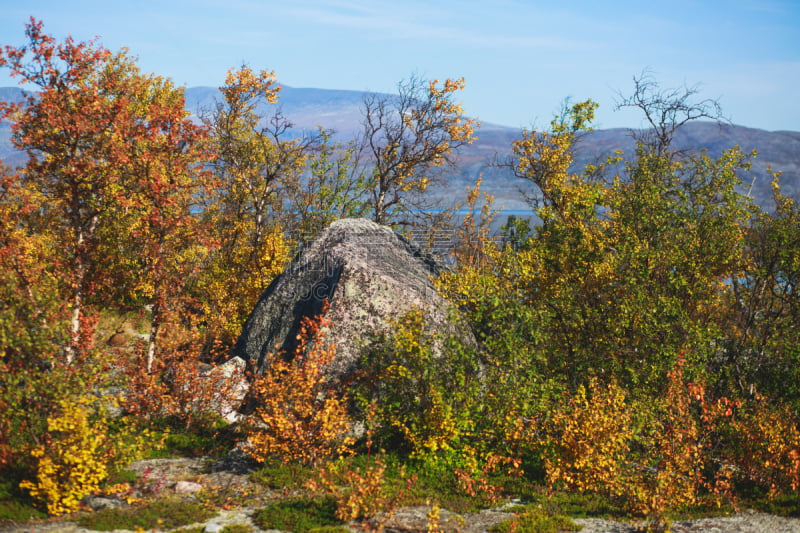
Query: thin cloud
x=381, y=20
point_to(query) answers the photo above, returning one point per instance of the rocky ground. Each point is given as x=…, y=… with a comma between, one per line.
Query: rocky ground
x=177, y=475
x=746, y=522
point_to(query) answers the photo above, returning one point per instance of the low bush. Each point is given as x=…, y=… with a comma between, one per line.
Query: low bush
x=300, y=416
x=77, y=454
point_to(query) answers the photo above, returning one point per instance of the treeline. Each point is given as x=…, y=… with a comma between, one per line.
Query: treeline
x=639, y=341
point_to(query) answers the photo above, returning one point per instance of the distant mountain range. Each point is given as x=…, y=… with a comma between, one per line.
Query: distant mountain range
x=341, y=111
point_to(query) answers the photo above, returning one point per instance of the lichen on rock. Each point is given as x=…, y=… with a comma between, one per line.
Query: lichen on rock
x=370, y=276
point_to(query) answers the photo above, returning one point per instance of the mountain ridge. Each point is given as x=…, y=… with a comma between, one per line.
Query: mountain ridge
x=340, y=110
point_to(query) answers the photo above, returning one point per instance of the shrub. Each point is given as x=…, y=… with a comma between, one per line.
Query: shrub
x=586, y=442
x=300, y=415
x=765, y=446
x=673, y=452
x=176, y=386
x=362, y=492
x=652, y=463
x=77, y=454
x=70, y=466
x=424, y=385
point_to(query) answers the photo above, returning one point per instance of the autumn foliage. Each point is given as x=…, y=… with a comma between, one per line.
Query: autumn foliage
x=637, y=339
x=625, y=322
x=300, y=414
x=77, y=454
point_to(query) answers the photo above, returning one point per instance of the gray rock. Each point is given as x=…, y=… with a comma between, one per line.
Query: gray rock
x=369, y=274
x=96, y=503
x=419, y=518
x=231, y=387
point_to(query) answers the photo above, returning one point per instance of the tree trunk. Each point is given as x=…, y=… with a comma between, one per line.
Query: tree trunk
x=79, y=291
x=155, y=325
x=380, y=208
x=158, y=301
x=75, y=323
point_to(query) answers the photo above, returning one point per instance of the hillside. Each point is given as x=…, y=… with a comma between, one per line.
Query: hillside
x=340, y=111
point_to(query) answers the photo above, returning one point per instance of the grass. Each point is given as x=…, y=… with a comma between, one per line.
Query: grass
x=110, y=321
x=299, y=515
x=534, y=519
x=577, y=505
x=13, y=510
x=16, y=505
x=122, y=476
x=289, y=476
x=213, y=438
x=407, y=483
x=237, y=528
x=196, y=444
x=162, y=513
x=420, y=484
x=232, y=528
x=784, y=505
x=415, y=483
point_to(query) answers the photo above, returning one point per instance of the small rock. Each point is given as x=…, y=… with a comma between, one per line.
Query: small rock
x=187, y=487
x=230, y=381
x=213, y=528
x=95, y=503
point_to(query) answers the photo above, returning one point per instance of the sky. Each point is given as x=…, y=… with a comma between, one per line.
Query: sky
x=521, y=59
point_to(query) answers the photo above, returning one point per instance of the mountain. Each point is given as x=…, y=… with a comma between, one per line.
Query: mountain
x=340, y=111
x=779, y=150
x=306, y=108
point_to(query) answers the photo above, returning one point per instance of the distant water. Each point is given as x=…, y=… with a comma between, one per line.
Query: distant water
x=500, y=218
x=503, y=213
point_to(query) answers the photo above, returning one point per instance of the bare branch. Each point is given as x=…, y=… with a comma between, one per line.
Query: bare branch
x=666, y=110
x=405, y=137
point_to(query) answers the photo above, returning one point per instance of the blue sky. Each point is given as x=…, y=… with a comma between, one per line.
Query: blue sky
x=521, y=59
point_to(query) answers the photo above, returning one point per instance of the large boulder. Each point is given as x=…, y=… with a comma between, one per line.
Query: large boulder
x=369, y=274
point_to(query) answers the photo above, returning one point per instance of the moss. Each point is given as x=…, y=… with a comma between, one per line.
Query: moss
x=18, y=511
x=536, y=520
x=161, y=514
x=299, y=515
x=237, y=528
x=282, y=476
